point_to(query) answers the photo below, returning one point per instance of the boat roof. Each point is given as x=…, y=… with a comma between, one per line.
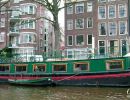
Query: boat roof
x=127, y=55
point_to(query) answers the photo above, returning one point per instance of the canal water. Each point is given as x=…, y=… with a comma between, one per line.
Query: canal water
x=8, y=92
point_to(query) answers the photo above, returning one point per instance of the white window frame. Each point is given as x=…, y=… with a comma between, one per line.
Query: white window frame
x=111, y=0
x=109, y=28
x=89, y=4
x=101, y=1
x=26, y=8
x=99, y=24
x=68, y=10
x=125, y=27
x=22, y=39
x=76, y=40
x=69, y=24
x=119, y=10
x=101, y=46
x=81, y=23
x=109, y=10
x=92, y=22
x=2, y=22
x=87, y=39
x=99, y=17
x=79, y=4
x=122, y=45
x=3, y=10
x=27, y=25
x=2, y=36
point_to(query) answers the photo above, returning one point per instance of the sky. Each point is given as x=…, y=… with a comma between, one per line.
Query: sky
x=61, y=16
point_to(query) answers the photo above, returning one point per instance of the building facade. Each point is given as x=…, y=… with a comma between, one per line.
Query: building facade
x=97, y=27
x=23, y=28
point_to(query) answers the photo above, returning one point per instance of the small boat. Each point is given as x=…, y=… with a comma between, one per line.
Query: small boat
x=45, y=81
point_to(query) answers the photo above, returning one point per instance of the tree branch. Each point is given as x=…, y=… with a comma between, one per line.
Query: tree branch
x=3, y=3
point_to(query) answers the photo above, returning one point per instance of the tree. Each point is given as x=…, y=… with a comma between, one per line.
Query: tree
x=54, y=6
x=3, y=3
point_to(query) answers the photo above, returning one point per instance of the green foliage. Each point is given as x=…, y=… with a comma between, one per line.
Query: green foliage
x=6, y=52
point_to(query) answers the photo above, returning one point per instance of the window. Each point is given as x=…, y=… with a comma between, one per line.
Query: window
x=69, y=9
x=102, y=28
x=122, y=10
x=101, y=1
x=79, y=8
x=124, y=47
x=89, y=38
x=4, y=68
x=28, y=38
x=27, y=24
x=79, y=23
x=2, y=36
x=70, y=40
x=39, y=68
x=2, y=22
x=101, y=47
x=79, y=40
x=15, y=12
x=41, y=30
x=111, y=0
x=112, y=28
x=114, y=47
x=81, y=66
x=122, y=27
x=28, y=9
x=41, y=43
x=59, y=68
x=89, y=22
x=21, y=68
x=102, y=12
x=17, y=1
x=26, y=51
x=68, y=1
x=114, y=64
x=112, y=11
x=69, y=54
x=2, y=11
x=69, y=24
x=89, y=7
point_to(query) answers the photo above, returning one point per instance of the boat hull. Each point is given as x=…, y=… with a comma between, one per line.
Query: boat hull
x=99, y=79
x=34, y=82
x=119, y=79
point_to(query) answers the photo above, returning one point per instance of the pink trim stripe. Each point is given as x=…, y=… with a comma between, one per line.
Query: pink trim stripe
x=91, y=76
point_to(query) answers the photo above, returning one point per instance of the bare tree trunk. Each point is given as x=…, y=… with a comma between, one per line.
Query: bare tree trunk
x=57, y=34
x=56, y=26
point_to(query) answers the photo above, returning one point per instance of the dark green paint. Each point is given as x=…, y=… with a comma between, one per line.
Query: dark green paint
x=96, y=65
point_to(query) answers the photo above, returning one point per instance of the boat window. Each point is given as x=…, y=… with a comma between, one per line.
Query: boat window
x=81, y=66
x=114, y=64
x=20, y=68
x=4, y=68
x=59, y=68
x=39, y=68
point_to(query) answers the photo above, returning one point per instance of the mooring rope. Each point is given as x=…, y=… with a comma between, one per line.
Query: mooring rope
x=68, y=77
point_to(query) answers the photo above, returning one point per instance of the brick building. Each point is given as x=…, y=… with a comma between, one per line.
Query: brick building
x=22, y=29
x=97, y=26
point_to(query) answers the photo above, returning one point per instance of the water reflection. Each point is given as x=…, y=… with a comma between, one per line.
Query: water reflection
x=61, y=93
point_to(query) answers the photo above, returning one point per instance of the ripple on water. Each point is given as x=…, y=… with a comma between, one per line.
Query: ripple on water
x=61, y=93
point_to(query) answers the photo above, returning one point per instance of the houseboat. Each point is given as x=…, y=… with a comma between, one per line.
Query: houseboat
x=107, y=71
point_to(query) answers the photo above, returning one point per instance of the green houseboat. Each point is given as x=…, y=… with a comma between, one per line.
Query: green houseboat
x=113, y=71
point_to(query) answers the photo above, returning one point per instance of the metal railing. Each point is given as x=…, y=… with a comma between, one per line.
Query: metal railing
x=63, y=55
